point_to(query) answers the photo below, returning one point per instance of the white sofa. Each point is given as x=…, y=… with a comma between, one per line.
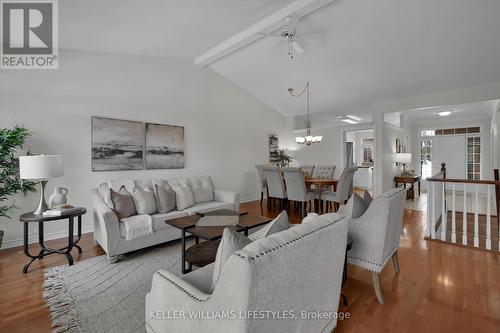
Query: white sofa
x=110, y=233
x=299, y=269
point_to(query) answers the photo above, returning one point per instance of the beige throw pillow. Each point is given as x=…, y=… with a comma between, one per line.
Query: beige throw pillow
x=183, y=196
x=165, y=199
x=144, y=199
x=231, y=241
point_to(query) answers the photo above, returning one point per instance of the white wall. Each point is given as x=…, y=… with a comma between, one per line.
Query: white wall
x=389, y=168
x=225, y=127
x=330, y=151
x=495, y=136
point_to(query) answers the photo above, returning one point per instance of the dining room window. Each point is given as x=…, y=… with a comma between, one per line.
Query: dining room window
x=367, y=155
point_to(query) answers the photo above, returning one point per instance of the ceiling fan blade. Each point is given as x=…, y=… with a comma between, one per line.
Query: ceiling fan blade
x=296, y=46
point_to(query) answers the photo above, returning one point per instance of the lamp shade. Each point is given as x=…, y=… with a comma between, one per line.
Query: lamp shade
x=404, y=158
x=41, y=166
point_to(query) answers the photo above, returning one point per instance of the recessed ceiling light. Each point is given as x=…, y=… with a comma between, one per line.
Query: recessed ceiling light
x=354, y=118
x=444, y=113
x=349, y=121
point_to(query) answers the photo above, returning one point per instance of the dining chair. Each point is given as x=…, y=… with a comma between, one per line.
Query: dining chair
x=262, y=181
x=275, y=184
x=324, y=171
x=308, y=170
x=296, y=189
x=343, y=189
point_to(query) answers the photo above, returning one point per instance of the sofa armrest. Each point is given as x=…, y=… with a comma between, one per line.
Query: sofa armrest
x=228, y=196
x=108, y=230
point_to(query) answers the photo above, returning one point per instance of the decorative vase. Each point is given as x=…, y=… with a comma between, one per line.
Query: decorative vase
x=59, y=197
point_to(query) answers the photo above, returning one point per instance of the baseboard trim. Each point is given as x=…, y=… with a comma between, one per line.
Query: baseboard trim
x=33, y=239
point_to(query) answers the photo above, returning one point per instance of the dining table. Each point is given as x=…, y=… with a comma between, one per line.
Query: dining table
x=320, y=183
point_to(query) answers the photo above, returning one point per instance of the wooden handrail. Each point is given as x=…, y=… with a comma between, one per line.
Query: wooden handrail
x=463, y=181
x=441, y=177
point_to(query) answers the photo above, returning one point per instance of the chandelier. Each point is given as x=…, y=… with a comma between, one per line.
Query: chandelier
x=308, y=138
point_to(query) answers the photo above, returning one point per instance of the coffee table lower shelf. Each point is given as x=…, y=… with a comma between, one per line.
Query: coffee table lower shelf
x=203, y=253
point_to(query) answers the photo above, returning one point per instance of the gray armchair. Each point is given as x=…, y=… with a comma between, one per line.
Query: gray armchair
x=296, y=188
x=299, y=269
x=344, y=188
x=376, y=234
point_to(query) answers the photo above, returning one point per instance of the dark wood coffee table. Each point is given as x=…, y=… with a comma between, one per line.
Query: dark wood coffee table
x=202, y=254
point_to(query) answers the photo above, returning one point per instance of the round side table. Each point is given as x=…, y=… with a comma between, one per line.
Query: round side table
x=28, y=218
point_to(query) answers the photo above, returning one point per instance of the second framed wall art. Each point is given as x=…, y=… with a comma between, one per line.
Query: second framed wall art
x=132, y=145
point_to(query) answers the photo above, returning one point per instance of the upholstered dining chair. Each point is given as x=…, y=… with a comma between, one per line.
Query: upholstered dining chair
x=324, y=171
x=308, y=170
x=376, y=234
x=275, y=184
x=296, y=189
x=262, y=181
x=343, y=189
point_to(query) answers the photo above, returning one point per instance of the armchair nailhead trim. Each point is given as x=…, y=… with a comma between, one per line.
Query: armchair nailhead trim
x=183, y=289
x=289, y=242
x=150, y=327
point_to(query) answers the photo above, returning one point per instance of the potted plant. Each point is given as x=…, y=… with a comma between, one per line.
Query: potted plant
x=11, y=139
x=282, y=158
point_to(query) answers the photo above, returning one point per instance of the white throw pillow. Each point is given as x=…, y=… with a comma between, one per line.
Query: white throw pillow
x=280, y=223
x=144, y=200
x=202, y=188
x=165, y=199
x=309, y=217
x=183, y=196
x=231, y=241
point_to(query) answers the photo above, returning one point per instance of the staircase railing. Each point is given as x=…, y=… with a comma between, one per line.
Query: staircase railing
x=476, y=221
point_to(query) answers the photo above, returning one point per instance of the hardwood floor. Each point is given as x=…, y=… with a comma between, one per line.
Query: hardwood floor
x=441, y=288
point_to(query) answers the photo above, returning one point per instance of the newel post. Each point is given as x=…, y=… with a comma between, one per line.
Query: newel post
x=443, y=169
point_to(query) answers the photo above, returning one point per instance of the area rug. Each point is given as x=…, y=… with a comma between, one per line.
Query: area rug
x=94, y=296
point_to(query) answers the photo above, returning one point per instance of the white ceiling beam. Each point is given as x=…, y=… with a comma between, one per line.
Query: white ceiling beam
x=269, y=24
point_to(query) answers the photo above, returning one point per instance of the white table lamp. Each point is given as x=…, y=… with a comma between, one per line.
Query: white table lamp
x=403, y=158
x=41, y=168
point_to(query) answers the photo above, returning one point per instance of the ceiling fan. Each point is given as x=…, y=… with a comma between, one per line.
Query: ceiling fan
x=288, y=36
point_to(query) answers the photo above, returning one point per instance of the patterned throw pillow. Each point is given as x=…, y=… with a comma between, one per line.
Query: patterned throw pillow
x=280, y=223
x=183, y=196
x=166, y=199
x=144, y=200
x=123, y=203
x=231, y=241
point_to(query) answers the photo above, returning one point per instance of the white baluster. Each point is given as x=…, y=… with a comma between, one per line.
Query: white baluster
x=429, y=209
x=476, y=219
x=453, y=217
x=488, y=220
x=464, y=218
x=444, y=215
x=433, y=220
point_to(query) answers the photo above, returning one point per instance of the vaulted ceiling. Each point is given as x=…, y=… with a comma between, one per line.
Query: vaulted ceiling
x=362, y=51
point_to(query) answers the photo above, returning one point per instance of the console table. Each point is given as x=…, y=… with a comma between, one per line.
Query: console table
x=411, y=180
x=44, y=250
